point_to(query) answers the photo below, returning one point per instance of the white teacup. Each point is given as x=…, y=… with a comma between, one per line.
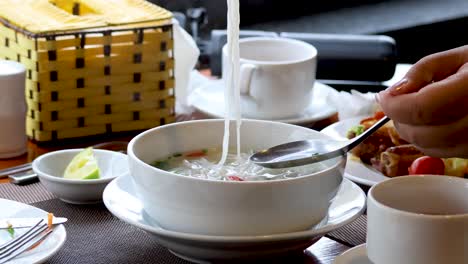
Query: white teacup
x=276, y=76
x=418, y=220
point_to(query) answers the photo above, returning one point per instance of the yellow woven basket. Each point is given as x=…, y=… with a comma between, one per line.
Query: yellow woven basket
x=94, y=67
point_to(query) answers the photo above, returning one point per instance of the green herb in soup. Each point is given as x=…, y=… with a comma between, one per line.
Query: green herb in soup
x=204, y=164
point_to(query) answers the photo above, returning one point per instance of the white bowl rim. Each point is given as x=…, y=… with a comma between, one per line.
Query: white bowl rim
x=132, y=155
x=73, y=181
x=296, y=42
x=433, y=217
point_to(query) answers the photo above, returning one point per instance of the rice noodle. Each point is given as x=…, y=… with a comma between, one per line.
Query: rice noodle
x=231, y=87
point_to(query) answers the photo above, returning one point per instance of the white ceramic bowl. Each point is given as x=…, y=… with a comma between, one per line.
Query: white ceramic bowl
x=51, y=166
x=211, y=207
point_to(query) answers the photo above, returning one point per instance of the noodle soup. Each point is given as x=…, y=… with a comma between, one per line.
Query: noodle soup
x=204, y=164
x=225, y=207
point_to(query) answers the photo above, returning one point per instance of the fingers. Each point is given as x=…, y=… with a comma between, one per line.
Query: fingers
x=429, y=69
x=443, y=138
x=458, y=151
x=438, y=103
x=429, y=106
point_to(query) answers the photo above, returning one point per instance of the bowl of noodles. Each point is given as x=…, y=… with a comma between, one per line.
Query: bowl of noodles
x=190, y=180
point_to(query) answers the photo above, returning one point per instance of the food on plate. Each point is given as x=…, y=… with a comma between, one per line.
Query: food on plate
x=370, y=150
x=83, y=166
x=205, y=164
x=11, y=230
x=50, y=219
x=456, y=167
x=427, y=165
x=393, y=156
x=396, y=160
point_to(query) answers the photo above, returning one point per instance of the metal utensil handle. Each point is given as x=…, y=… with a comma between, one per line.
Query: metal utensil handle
x=357, y=140
x=12, y=170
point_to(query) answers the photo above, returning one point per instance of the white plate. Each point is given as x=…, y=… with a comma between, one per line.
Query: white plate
x=209, y=99
x=355, y=255
x=45, y=250
x=355, y=169
x=121, y=200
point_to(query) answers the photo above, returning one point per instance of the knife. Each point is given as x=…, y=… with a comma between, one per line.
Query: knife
x=6, y=223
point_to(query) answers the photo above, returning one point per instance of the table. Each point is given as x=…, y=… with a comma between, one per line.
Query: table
x=322, y=252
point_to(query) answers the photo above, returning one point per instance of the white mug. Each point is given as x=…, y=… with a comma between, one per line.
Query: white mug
x=276, y=76
x=13, y=139
x=418, y=220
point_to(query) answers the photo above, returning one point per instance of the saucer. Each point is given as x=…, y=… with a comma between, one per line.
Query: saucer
x=45, y=250
x=355, y=255
x=209, y=99
x=121, y=199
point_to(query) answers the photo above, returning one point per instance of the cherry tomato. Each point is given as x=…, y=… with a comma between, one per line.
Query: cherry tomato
x=427, y=165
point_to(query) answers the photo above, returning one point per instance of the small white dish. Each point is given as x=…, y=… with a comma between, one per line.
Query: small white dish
x=51, y=166
x=45, y=250
x=355, y=170
x=355, y=255
x=120, y=197
x=209, y=99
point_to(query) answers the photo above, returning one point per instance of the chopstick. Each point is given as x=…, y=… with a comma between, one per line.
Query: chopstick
x=12, y=170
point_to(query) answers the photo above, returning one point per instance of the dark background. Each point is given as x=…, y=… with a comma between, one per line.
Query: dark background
x=420, y=27
x=257, y=11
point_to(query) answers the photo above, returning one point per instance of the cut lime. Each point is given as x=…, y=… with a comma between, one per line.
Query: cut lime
x=83, y=166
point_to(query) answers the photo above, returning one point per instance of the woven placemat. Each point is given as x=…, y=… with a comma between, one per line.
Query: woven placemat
x=96, y=236
x=352, y=234
x=31, y=193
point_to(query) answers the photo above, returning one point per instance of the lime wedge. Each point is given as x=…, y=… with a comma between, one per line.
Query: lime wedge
x=83, y=166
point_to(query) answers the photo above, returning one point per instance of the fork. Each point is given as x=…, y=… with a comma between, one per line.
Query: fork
x=25, y=241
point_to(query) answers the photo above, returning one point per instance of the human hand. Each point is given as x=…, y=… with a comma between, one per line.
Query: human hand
x=429, y=107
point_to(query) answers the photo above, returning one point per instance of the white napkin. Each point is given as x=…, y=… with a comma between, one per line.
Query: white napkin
x=352, y=104
x=186, y=55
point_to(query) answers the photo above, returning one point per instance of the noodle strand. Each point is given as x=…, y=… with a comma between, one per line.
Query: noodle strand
x=231, y=85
